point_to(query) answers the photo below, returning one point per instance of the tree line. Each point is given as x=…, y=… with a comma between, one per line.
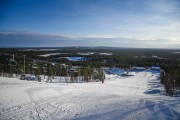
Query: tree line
x=121, y=59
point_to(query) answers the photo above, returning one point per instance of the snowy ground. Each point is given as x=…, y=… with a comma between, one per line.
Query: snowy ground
x=119, y=98
x=47, y=55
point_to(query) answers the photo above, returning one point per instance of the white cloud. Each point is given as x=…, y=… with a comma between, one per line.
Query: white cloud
x=161, y=20
x=23, y=39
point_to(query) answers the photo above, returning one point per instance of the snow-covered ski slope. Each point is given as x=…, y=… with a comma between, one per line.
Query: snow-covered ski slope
x=139, y=97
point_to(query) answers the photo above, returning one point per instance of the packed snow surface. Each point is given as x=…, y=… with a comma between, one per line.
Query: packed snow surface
x=120, y=98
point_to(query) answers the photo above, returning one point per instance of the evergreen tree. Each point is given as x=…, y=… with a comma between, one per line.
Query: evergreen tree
x=79, y=74
x=0, y=67
x=10, y=71
x=29, y=68
x=38, y=72
x=50, y=72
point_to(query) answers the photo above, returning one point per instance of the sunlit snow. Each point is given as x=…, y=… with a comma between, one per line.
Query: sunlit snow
x=120, y=98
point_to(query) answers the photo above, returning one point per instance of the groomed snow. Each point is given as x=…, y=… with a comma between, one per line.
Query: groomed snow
x=119, y=98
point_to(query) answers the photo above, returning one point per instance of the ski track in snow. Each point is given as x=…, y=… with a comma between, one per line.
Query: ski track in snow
x=119, y=98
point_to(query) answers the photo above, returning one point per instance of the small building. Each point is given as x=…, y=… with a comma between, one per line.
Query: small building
x=155, y=68
x=131, y=74
x=138, y=68
x=71, y=71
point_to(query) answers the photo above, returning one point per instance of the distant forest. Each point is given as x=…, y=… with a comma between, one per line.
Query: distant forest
x=97, y=57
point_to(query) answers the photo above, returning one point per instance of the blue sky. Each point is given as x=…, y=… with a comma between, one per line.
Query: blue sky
x=118, y=23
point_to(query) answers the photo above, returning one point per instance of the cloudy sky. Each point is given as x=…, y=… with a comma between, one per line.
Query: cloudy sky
x=116, y=23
